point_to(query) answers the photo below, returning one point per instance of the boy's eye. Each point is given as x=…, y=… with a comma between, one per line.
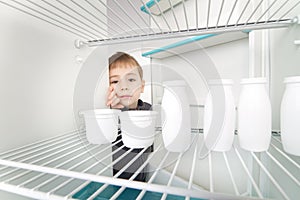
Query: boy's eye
x=131, y=79
x=113, y=82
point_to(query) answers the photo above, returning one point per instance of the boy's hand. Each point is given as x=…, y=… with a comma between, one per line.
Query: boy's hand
x=112, y=100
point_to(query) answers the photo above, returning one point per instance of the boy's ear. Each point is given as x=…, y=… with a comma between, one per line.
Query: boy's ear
x=143, y=86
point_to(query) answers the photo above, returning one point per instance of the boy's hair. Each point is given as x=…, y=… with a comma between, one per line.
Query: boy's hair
x=122, y=60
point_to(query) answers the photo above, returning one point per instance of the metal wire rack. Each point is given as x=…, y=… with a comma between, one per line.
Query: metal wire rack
x=60, y=167
x=99, y=22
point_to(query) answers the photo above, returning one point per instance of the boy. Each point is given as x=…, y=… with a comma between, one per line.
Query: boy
x=126, y=85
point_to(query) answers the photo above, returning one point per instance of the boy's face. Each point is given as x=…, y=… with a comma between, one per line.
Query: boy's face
x=127, y=84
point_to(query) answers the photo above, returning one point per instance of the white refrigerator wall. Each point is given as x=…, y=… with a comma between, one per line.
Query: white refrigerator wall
x=38, y=70
x=285, y=61
x=227, y=61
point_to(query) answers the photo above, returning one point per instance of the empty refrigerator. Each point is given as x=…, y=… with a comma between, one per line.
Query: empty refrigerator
x=53, y=63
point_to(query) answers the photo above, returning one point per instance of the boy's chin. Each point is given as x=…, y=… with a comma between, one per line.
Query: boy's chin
x=127, y=103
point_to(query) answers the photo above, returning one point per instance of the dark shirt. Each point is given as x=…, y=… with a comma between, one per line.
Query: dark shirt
x=142, y=176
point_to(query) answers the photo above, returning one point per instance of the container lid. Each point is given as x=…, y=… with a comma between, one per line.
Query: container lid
x=138, y=113
x=292, y=79
x=174, y=83
x=220, y=82
x=259, y=80
x=105, y=111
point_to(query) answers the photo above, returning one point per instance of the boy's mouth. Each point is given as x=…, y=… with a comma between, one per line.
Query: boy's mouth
x=125, y=96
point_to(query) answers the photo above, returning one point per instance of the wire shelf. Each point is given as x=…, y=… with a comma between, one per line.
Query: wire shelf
x=99, y=22
x=60, y=167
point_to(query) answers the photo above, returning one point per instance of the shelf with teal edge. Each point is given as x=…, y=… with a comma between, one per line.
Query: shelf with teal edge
x=149, y=4
x=194, y=43
x=164, y=6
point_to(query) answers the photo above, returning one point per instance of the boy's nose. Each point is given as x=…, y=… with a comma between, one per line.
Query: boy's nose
x=123, y=85
x=124, y=88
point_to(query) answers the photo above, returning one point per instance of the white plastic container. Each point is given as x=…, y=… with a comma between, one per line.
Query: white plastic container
x=176, y=127
x=222, y=89
x=138, y=128
x=101, y=125
x=290, y=116
x=254, y=115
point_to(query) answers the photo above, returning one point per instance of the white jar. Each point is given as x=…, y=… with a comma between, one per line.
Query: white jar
x=254, y=115
x=138, y=128
x=290, y=116
x=176, y=127
x=101, y=125
x=222, y=140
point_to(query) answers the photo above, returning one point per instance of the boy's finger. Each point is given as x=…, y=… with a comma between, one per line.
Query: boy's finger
x=109, y=90
x=119, y=106
x=112, y=95
x=108, y=103
x=115, y=101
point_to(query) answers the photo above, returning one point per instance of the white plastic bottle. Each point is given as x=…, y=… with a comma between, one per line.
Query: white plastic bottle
x=224, y=96
x=254, y=115
x=176, y=127
x=290, y=116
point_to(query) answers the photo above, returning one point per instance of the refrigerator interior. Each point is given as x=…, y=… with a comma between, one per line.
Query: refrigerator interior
x=54, y=57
